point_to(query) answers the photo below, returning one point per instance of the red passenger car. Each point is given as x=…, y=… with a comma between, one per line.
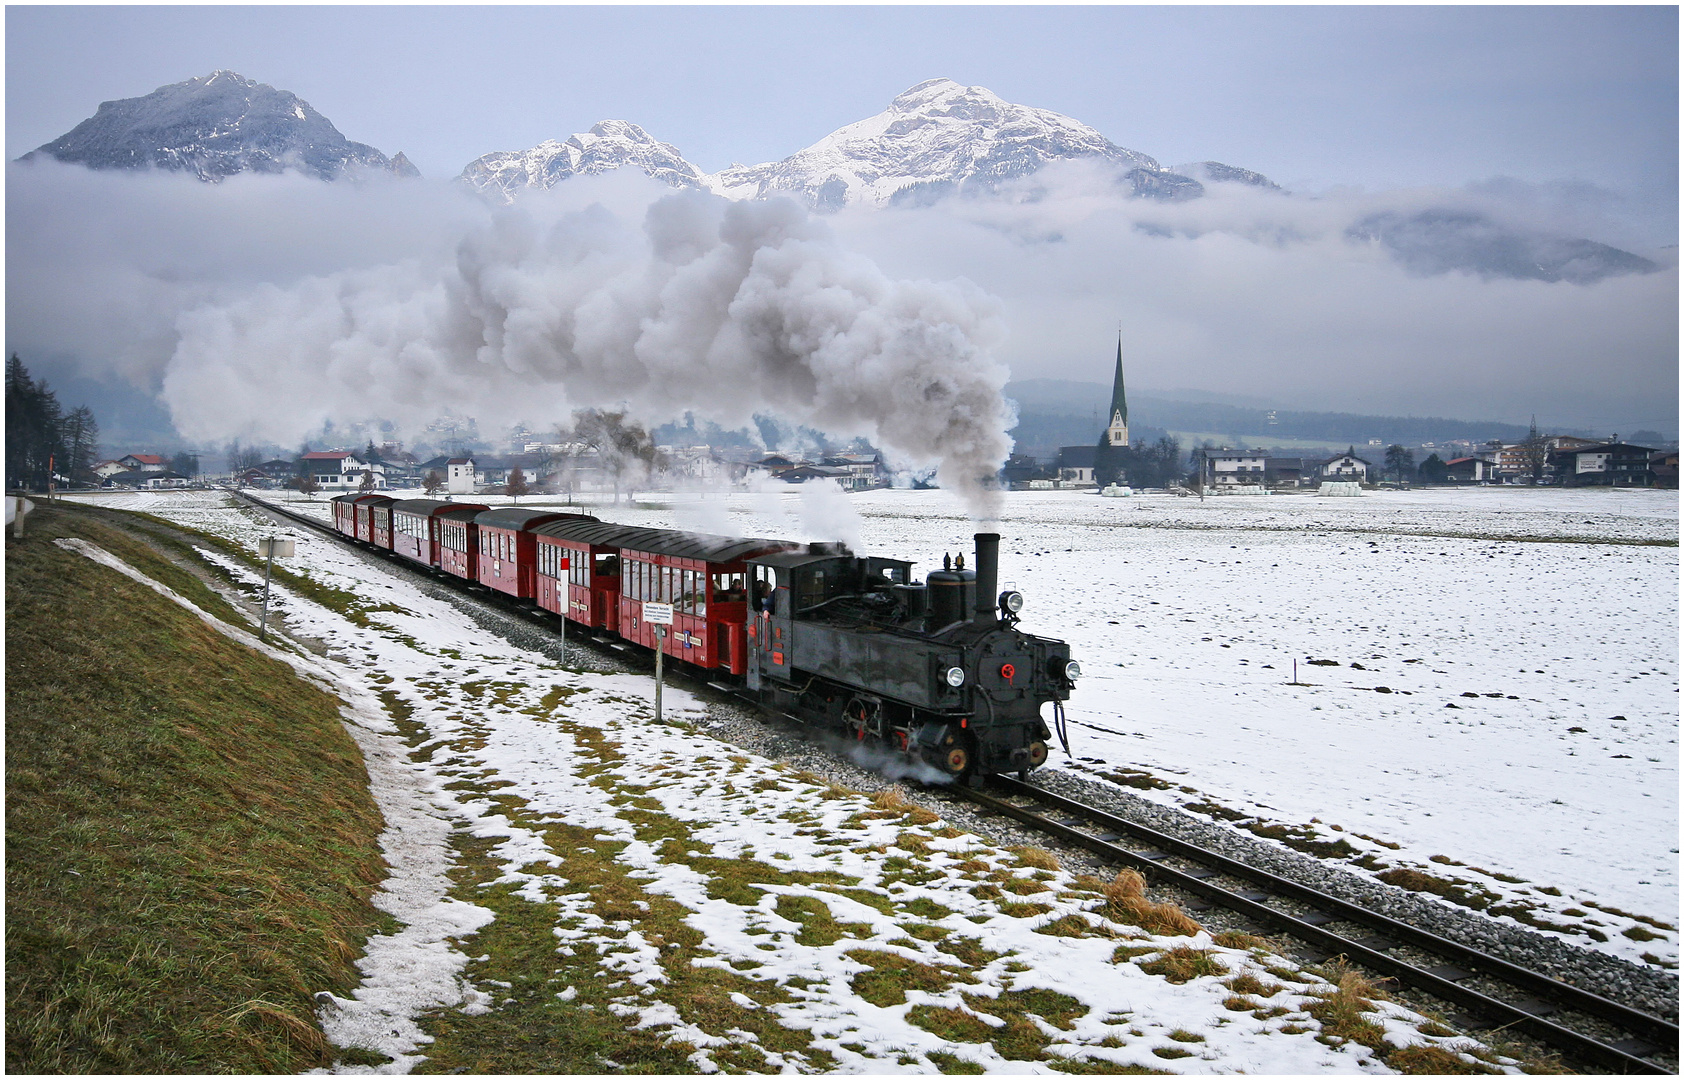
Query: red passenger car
x=417, y=523
x=579, y=570
x=508, y=551
x=345, y=514
x=706, y=582
x=365, y=505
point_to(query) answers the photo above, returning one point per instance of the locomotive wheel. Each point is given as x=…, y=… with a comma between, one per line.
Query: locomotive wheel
x=956, y=755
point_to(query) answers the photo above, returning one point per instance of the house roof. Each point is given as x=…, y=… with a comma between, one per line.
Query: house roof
x=144, y=459
x=137, y=478
x=1609, y=448
x=328, y=455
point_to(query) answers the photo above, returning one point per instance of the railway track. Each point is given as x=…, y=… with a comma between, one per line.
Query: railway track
x=1490, y=992
x=1592, y=1031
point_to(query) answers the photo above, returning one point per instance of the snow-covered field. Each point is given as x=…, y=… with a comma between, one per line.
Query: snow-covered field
x=1529, y=641
x=1526, y=641
x=1558, y=609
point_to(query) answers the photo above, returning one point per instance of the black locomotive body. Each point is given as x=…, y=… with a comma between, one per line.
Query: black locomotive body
x=937, y=669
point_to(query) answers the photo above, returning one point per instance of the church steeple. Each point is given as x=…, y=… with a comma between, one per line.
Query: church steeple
x=1117, y=434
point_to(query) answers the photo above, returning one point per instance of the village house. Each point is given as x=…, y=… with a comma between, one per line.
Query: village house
x=1233, y=468
x=341, y=469
x=1346, y=467
x=148, y=480
x=1474, y=469
x=1613, y=463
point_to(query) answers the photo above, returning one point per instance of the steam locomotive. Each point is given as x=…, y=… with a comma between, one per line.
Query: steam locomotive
x=936, y=670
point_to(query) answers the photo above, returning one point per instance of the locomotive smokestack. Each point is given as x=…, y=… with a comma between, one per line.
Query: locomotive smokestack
x=987, y=578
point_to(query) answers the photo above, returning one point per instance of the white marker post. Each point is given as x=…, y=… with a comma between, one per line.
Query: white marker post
x=660, y=617
x=273, y=547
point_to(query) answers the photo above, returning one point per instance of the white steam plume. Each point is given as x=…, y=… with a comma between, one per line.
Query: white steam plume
x=723, y=309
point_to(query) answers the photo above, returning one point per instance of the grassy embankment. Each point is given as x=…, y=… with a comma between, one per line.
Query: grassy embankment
x=190, y=838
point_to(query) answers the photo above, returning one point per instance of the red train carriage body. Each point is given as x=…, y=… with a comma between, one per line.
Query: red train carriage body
x=358, y=513
x=458, y=538
x=418, y=523
x=380, y=524
x=705, y=580
x=508, y=551
x=579, y=570
x=345, y=514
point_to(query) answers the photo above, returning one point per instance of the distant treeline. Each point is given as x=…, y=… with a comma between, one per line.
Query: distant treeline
x=42, y=440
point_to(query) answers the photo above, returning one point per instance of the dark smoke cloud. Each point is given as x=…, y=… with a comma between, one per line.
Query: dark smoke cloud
x=711, y=307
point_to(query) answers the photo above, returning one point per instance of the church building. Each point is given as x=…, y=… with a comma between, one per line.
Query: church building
x=1100, y=463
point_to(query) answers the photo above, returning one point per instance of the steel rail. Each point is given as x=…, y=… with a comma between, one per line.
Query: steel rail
x=1504, y=1014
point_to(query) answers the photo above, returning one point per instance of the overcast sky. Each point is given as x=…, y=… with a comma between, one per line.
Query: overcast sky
x=1572, y=111
x=1312, y=97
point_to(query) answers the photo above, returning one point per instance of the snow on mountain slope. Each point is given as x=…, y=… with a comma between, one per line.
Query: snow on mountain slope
x=607, y=146
x=216, y=126
x=937, y=138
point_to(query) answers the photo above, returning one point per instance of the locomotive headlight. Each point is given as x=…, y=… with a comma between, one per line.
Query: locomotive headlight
x=1072, y=671
x=955, y=677
x=1011, y=601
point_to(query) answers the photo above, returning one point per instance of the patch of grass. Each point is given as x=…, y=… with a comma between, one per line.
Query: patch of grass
x=1183, y=963
x=1100, y=1067
x=1125, y=901
x=1239, y=939
x=1020, y=910
x=885, y=904
x=1428, y=1060
x=190, y=840
x=1020, y=1038
x=1035, y=857
x=1072, y=925
x=893, y=800
x=1463, y=893
x=1342, y=1007
x=892, y=975
x=952, y=1064
x=1136, y=778
x=818, y=926
x=953, y=1025
x=968, y=951
x=1248, y=983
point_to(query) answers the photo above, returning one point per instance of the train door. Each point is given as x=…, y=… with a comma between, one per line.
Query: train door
x=605, y=588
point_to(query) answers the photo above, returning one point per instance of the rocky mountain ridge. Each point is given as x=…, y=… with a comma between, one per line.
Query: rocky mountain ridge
x=214, y=127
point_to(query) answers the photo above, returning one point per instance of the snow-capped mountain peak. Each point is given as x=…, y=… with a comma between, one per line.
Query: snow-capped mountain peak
x=214, y=126
x=606, y=146
x=934, y=139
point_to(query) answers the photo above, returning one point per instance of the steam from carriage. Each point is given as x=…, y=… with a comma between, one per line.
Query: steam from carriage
x=937, y=670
